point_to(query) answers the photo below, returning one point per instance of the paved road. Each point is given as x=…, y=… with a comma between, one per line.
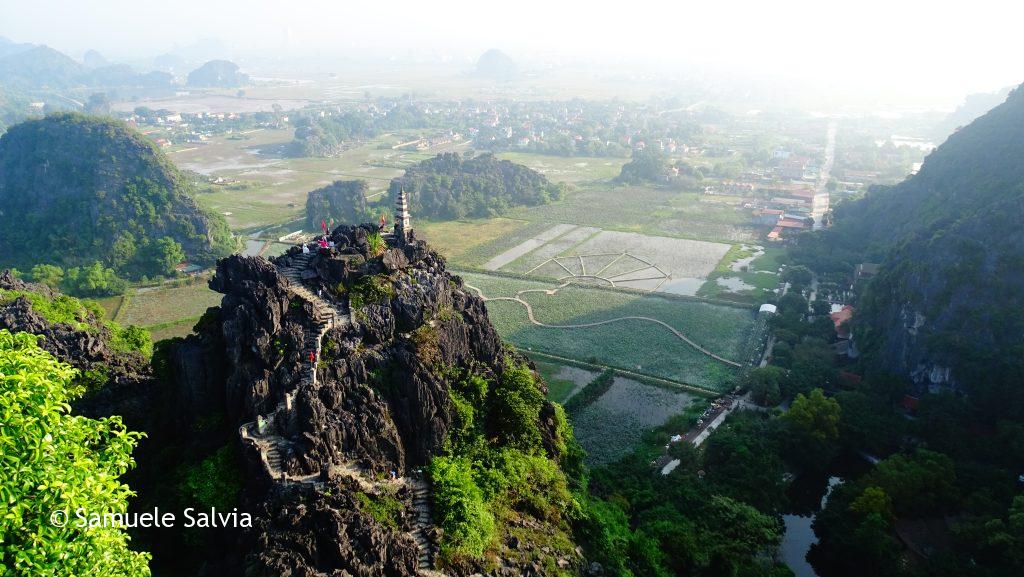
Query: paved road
x=820, y=203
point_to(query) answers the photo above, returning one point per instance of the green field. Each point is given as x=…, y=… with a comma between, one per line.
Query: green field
x=560, y=385
x=632, y=345
x=611, y=427
x=574, y=169
x=457, y=239
x=648, y=210
x=160, y=307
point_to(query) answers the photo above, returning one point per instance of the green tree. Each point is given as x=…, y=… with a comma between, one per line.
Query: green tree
x=460, y=507
x=873, y=501
x=123, y=251
x=921, y=484
x=55, y=461
x=213, y=482
x=98, y=103
x=166, y=253
x=93, y=281
x=765, y=384
x=647, y=165
x=816, y=415
x=47, y=274
x=517, y=403
x=821, y=306
x=813, y=426
x=798, y=276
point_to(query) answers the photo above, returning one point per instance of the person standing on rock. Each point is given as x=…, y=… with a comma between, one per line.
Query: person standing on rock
x=312, y=357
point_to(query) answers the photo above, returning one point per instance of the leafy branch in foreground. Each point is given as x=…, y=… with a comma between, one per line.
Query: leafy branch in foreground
x=55, y=461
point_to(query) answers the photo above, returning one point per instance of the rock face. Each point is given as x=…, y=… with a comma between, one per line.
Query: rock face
x=334, y=361
x=327, y=521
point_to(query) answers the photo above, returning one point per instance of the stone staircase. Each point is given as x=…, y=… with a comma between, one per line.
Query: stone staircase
x=325, y=317
x=272, y=447
x=422, y=523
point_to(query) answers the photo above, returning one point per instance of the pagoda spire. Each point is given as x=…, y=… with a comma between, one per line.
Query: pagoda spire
x=403, y=221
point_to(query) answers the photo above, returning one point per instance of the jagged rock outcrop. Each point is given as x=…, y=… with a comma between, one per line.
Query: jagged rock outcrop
x=335, y=363
x=328, y=523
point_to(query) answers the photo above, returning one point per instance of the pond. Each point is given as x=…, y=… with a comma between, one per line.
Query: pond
x=807, y=496
x=682, y=286
x=800, y=536
x=734, y=284
x=613, y=424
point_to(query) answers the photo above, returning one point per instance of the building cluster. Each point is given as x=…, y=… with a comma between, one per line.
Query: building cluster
x=168, y=128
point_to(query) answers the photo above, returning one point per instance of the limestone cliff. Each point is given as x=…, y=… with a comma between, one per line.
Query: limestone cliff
x=337, y=364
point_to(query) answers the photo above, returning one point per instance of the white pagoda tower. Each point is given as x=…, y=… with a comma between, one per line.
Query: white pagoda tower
x=403, y=221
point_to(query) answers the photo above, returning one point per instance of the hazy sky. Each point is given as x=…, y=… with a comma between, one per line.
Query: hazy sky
x=921, y=46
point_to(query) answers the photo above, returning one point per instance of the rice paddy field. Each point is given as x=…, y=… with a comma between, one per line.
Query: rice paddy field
x=455, y=239
x=613, y=258
x=633, y=345
x=647, y=210
x=165, y=311
x=611, y=426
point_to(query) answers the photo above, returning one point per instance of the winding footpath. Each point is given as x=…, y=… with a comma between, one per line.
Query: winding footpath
x=551, y=292
x=271, y=447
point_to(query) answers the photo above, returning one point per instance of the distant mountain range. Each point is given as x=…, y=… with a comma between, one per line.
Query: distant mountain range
x=28, y=67
x=9, y=47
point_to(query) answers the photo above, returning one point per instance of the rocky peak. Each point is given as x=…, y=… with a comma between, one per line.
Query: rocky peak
x=335, y=359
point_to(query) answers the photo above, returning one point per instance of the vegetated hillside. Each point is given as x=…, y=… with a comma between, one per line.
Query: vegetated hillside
x=951, y=289
x=14, y=107
x=343, y=201
x=454, y=186
x=111, y=359
x=76, y=189
x=8, y=46
x=43, y=68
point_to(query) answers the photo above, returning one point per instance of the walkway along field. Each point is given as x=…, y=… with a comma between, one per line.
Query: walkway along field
x=529, y=313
